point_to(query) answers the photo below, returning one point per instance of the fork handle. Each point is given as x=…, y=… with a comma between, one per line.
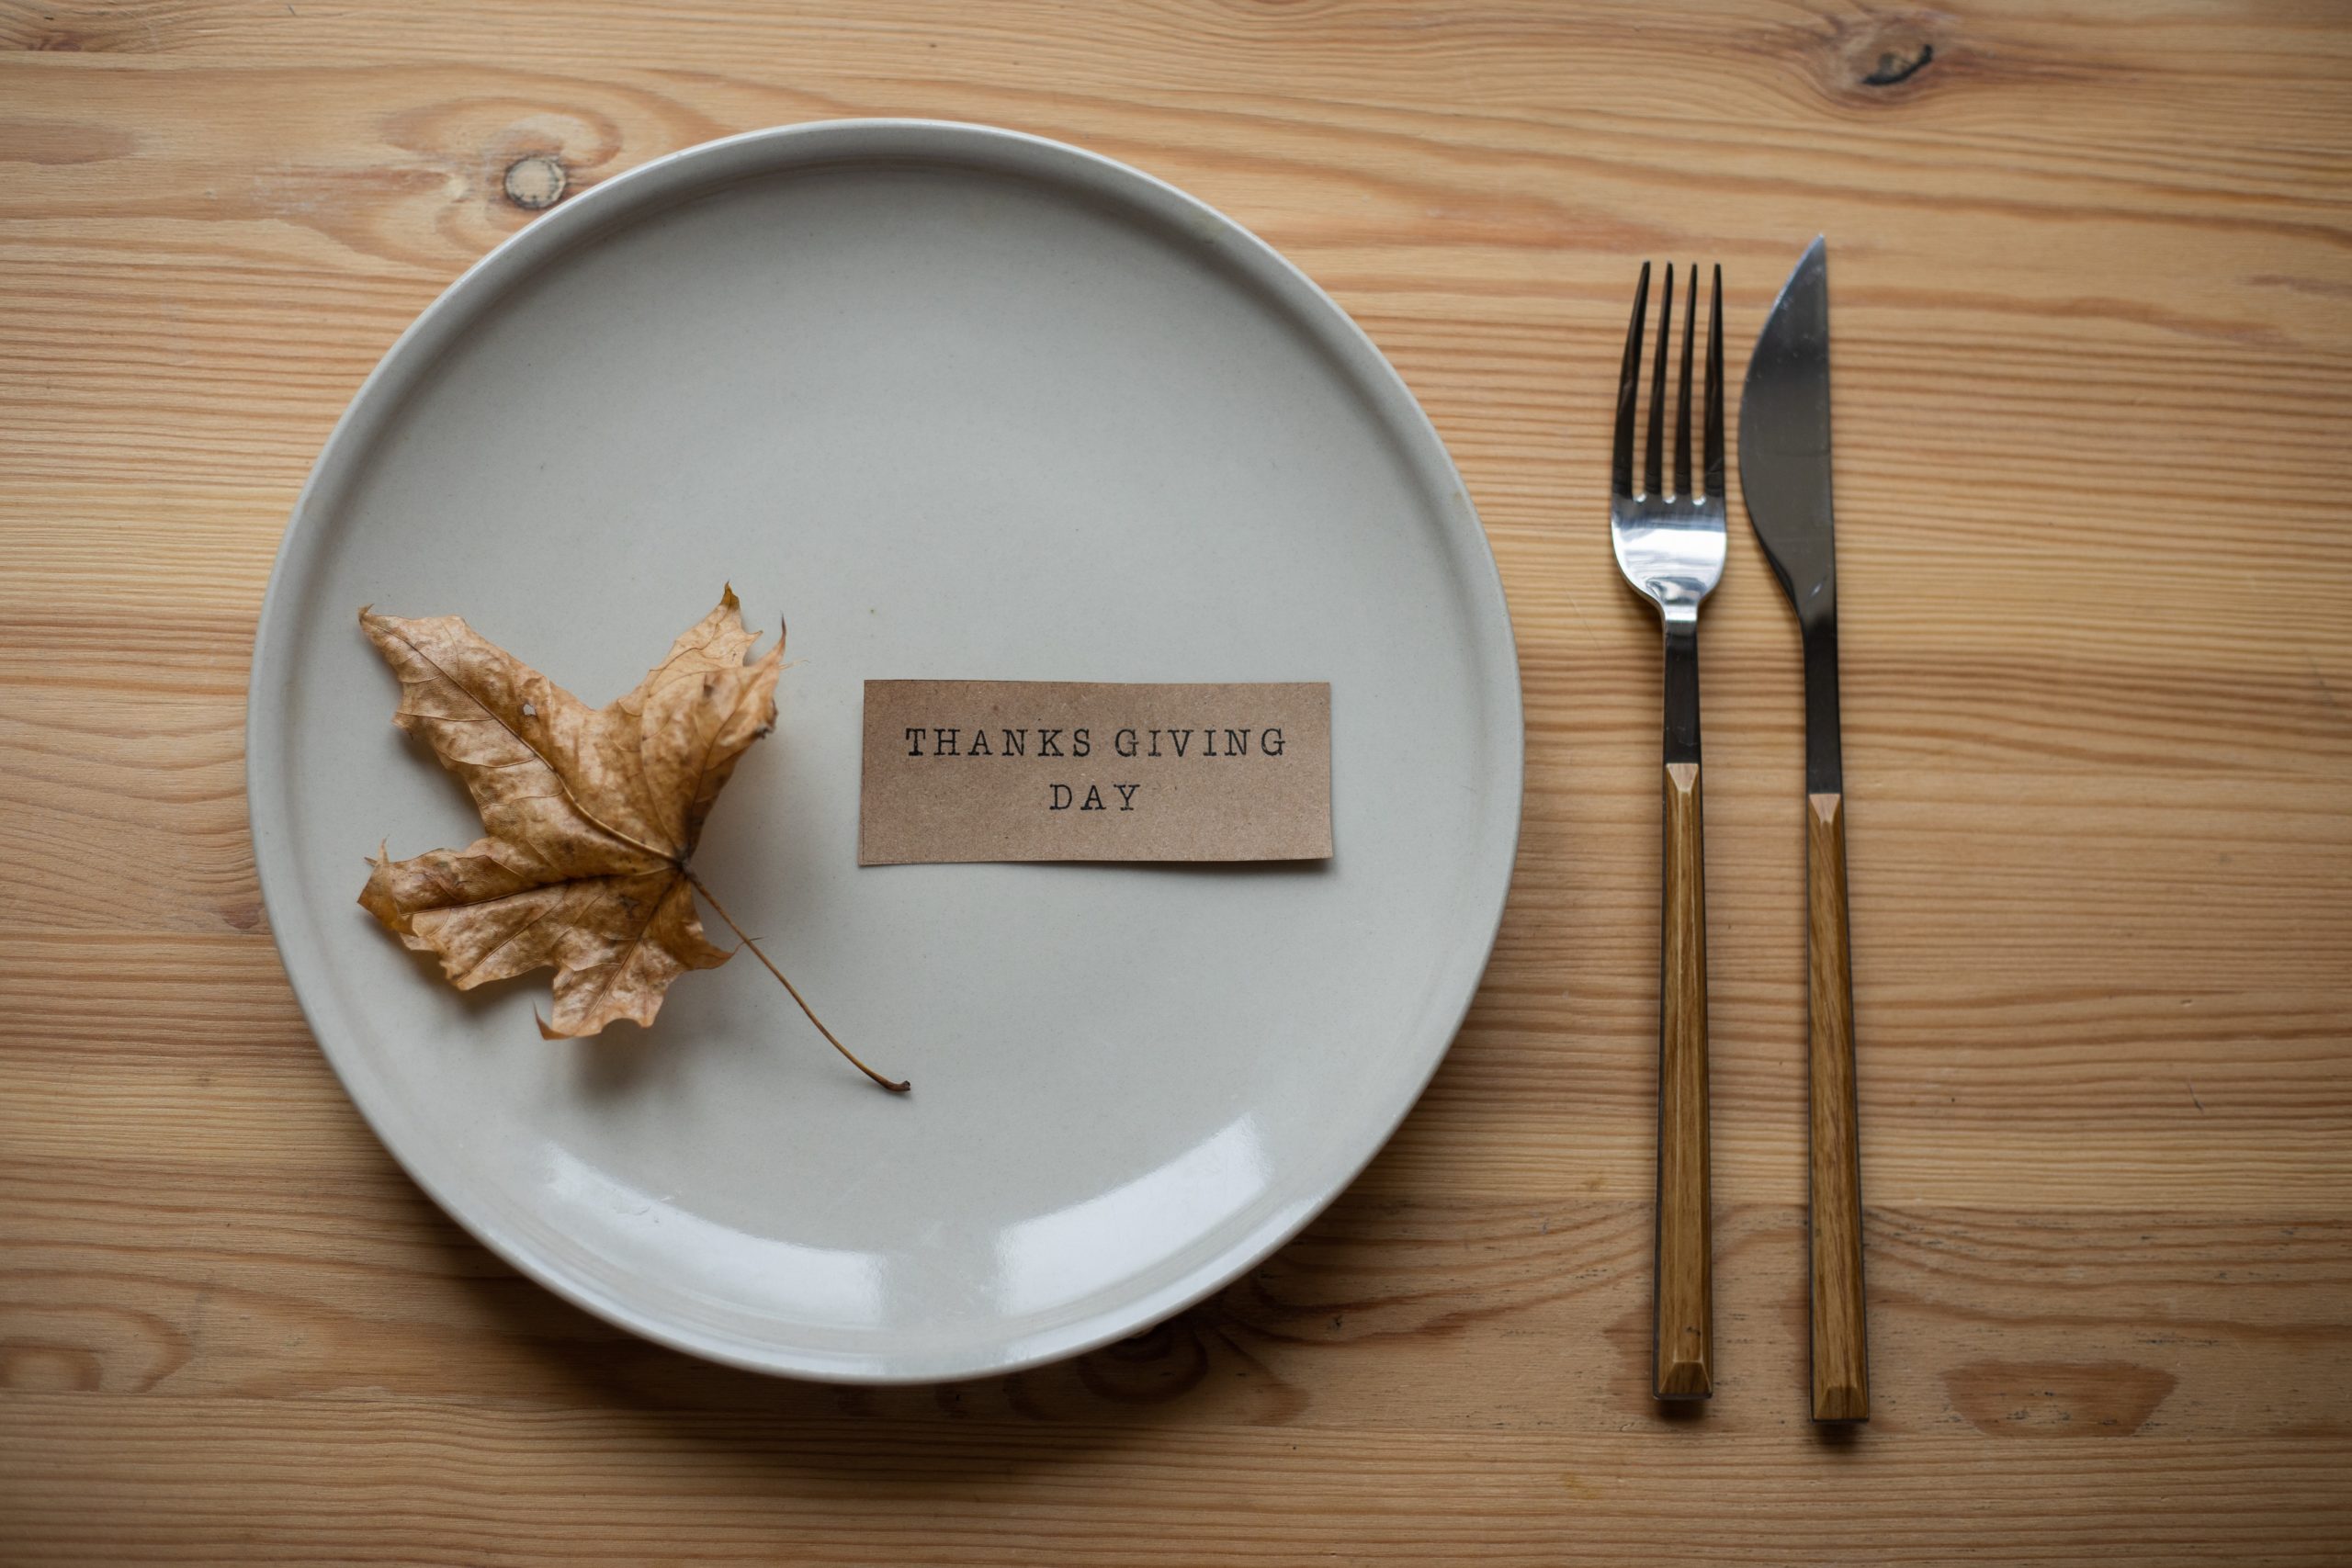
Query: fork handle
x=1841, y=1384
x=1683, y=1366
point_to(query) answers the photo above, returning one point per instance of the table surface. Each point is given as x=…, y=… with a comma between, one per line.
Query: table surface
x=2095, y=340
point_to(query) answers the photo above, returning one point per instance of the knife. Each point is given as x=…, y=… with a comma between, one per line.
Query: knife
x=1784, y=474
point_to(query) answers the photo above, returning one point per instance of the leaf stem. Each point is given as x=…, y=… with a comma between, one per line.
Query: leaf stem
x=721, y=910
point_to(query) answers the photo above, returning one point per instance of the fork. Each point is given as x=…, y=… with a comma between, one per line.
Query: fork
x=1670, y=546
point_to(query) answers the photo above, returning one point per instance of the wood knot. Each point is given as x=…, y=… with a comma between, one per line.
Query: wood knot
x=1871, y=58
x=1150, y=1368
x=1894, y=66
x=536, y=182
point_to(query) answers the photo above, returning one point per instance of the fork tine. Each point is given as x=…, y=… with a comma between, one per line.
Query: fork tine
x=1621, y=470
x=1654, y=460
x=1682, y=398
x=1714, y=389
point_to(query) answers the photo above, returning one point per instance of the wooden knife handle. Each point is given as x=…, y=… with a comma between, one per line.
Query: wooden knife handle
x=1841, y=1382
x=1684, y=1366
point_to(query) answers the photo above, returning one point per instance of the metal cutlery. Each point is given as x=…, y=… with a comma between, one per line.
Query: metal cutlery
x=1670, y=545
x=1784, y=475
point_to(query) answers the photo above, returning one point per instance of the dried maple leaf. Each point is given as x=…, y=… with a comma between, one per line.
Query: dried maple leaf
x=592, y=815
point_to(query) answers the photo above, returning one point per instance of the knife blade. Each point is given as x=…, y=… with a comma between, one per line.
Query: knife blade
x=1784, y=475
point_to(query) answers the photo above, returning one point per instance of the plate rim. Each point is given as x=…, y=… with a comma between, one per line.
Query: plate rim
x=642, y=192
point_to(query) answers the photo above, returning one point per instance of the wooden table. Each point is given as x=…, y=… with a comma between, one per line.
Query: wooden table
x=2093, y=293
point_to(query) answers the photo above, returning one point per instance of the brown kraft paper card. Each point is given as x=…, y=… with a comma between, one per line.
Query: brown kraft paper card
x=1078, y=769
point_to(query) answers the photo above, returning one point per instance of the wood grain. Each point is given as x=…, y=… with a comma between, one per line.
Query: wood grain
x=1841, y=1378
x=2092, y=303
x=1683, y=1359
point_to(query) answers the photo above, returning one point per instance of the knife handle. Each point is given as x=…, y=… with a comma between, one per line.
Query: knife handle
x=1683, y=1366
x=1841, y=1382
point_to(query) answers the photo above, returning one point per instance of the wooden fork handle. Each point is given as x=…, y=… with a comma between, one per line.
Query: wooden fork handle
x=1684, y=1367
x=1842, y=1385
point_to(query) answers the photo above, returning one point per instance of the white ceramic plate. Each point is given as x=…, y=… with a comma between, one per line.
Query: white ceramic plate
x=960, y=403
